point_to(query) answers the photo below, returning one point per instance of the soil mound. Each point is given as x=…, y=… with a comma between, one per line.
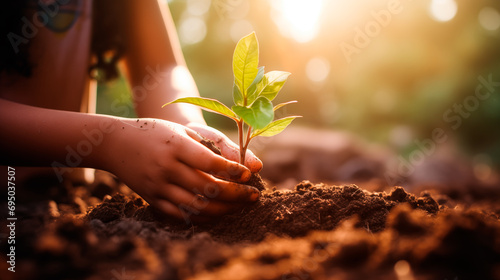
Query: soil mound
x=314, y=231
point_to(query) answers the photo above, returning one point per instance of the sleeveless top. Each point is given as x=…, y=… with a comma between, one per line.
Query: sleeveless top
x=59, y=32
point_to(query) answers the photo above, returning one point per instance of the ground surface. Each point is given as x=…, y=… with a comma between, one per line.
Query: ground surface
x=314, y=231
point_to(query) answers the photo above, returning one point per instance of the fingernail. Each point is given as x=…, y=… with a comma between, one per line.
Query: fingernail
x=246, y=175
x=255, y=194
x=259, y=163
x=193, y=134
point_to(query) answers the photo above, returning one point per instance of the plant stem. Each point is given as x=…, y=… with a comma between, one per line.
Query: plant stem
x=247, y=139
x=242, y=145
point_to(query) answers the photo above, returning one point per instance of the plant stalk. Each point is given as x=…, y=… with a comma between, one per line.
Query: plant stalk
x=242, y=144
x=245, y=147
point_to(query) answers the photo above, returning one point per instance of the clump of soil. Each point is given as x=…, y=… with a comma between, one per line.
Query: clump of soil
x=257, y=182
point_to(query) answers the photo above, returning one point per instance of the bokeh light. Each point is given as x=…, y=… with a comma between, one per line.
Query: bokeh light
x=443, y=10
x=197, y=7
x=192, y=30
x=317, y=69
x=489, y=18
x=402, y=269
x=416, y=61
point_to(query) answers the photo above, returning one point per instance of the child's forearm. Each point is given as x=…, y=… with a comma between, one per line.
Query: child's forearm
x=155, y=65
x=33, y=136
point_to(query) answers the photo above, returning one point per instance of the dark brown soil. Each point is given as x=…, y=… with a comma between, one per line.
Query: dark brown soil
x=257, y=182
x=314, y=231
x=281, y=213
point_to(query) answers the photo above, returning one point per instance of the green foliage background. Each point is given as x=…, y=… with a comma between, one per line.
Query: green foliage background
x=409, y=75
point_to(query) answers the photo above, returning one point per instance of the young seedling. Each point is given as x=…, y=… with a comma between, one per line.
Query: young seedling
x=253, y=93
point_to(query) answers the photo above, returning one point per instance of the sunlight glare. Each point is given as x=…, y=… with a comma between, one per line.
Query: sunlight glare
x=181, y=78
x=297, y=19
x=443, y=10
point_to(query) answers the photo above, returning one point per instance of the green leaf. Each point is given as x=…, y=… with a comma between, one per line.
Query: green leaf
x=251, y=92
x=237, y=96
x=274, y=128
x=258, y=115
x=283, y=104
x=245, y=62
x=207, y=104
x=272, y=83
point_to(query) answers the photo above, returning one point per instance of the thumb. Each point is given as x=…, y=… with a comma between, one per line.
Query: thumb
x=229, y=149
x=253, y=162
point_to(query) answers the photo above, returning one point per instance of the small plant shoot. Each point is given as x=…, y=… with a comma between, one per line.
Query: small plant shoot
x=253, y=93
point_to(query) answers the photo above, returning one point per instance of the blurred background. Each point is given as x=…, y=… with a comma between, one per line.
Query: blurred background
x=382, y=73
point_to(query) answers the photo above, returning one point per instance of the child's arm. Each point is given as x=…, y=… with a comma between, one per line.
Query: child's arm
x=162, y=161
x=158, y=74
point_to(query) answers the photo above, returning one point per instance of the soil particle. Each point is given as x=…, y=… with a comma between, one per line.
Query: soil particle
x=211, y=145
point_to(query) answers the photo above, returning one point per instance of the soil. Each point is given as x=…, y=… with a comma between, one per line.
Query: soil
x=314, y=231
x=311, y=231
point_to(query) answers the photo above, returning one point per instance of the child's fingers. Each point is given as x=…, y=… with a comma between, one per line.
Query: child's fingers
x=196, y=204
x=229, y=149
x=199, y=157
x=199, y=182
x=252, y=162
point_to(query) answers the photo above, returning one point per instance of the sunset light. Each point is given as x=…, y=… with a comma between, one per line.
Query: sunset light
x=443, y=10
x=297, y=19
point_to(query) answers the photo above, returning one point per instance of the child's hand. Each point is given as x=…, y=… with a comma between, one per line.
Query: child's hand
x=165, y=164
x=228, y=148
